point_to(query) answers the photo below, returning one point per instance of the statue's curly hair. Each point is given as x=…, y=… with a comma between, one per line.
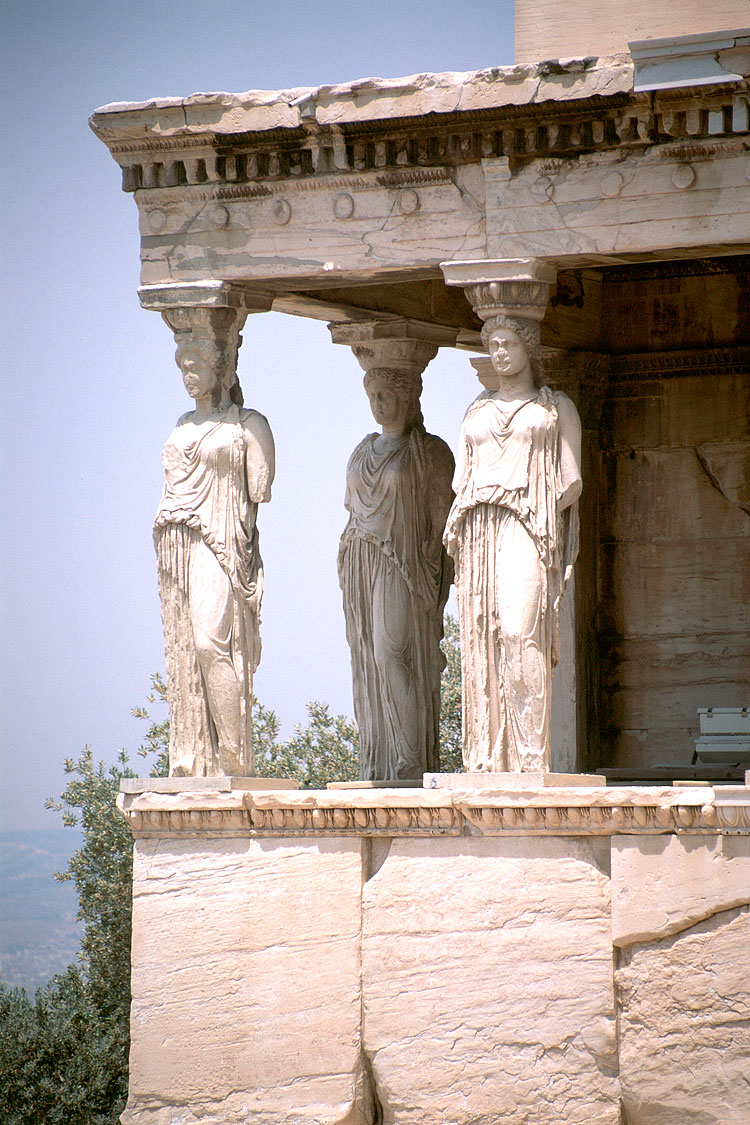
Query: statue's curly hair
x=528, y=332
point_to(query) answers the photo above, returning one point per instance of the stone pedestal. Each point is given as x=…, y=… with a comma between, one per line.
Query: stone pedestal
x=418, y=957
x=510, y=782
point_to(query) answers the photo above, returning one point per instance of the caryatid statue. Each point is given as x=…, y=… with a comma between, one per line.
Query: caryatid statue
x=513, y=527
x=218, y=467
x=394, y=572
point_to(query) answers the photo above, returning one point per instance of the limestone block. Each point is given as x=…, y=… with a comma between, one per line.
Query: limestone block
x=655, y=414
x=684, y=1026
x=328, y=225
x=487, y=983
x=663, y=884
x=246, y=994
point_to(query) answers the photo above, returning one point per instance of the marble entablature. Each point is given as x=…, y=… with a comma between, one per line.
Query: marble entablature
x=425, y=812
x=558, y=159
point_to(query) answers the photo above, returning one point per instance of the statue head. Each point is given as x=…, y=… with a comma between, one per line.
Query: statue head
x=208, y=342
x=513, y=341
x=394, y=397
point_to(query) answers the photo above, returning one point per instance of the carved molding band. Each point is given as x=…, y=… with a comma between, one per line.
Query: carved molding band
x=701, y=118
x=605, y=812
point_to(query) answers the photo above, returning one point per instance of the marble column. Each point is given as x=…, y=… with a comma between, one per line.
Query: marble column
x=394, y=572
x=530, y=721
x=218, y=466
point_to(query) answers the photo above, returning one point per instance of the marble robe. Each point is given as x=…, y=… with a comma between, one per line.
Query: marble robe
x=514, y=548
x=395, y=577
x=216, y=472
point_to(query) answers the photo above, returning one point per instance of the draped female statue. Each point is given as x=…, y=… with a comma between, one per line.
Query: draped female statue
x=218, y=466
x=395, y=577
x=513, y=534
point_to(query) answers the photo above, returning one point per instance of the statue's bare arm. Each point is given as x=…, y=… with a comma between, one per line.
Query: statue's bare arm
x=260, y=456
x=570, y=450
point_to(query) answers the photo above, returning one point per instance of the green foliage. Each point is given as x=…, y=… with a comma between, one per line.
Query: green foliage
x=451, y=760
x=64, y=1055
x=60, y=1059
x=157, y=734
x=327, y=749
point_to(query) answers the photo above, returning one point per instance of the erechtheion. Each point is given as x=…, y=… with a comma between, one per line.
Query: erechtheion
x=516, y=944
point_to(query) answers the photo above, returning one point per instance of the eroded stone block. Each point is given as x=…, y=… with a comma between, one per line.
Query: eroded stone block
x=685, y=1025
x=663, y=884
x=487, y=982
x=246, y=993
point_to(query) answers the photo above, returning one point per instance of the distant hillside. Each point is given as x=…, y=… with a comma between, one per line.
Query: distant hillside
x=39, y=935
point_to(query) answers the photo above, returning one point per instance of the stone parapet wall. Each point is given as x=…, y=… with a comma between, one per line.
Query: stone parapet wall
x=429, y=957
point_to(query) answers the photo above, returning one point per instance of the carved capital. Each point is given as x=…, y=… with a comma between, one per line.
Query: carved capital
x=396, y=344
x=517, y=287
x=209, y=314
x=204, y=295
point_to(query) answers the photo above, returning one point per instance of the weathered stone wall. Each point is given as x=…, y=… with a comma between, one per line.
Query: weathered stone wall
x=663, y=575
x=674, y=567
x=434, y=958
x=546, y=29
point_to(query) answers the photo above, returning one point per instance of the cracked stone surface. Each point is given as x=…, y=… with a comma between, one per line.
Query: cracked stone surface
x=246, y=1002
x=487, y=983
x=667, y=883
x=685, y=1025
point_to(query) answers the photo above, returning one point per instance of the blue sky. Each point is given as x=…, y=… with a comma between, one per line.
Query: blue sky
x=92, y=390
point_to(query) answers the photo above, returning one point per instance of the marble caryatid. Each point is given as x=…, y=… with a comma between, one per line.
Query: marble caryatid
x=513, y=534
x=218, y=466
x=395, y=576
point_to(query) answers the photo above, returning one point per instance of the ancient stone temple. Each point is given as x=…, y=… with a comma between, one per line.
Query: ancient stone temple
x=555, y=947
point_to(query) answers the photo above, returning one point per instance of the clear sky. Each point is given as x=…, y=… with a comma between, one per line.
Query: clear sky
x=91, y=389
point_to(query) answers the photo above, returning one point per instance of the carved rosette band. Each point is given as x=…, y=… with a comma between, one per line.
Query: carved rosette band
x=661, y=812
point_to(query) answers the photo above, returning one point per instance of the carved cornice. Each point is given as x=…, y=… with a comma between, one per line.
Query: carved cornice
x=555, y=812
x=674, y=364
x=678, y=267
x=695, y=123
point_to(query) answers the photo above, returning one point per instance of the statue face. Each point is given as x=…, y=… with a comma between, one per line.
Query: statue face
x=507, y=352
x=198, y=361
x=388, y=408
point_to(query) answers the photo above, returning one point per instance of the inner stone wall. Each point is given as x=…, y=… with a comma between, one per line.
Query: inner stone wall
x=674, y=573
x=662, y=385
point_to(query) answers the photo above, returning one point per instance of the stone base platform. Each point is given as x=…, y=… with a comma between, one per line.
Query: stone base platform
x=513, y=782
x=203, y=784
x=567, y=955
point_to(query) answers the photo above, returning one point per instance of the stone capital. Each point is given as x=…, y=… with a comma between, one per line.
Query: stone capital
x=204, y=295
x=397, y=343
x=516, y=287
x=212, y=312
